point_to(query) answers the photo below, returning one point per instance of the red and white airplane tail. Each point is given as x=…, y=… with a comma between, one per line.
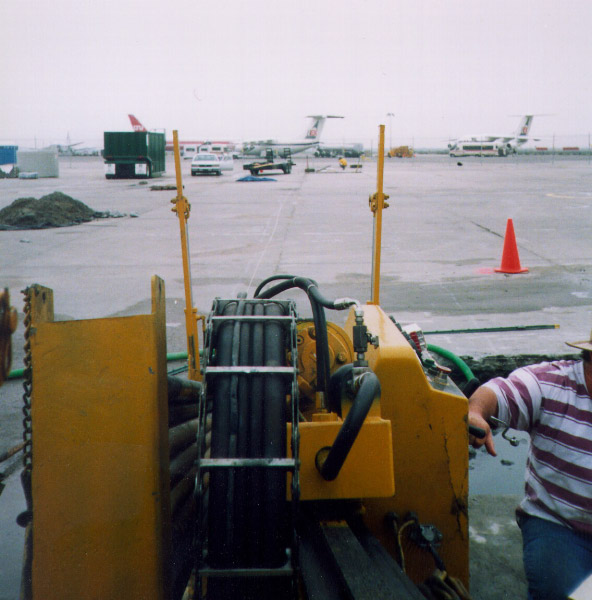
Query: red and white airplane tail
x=136, y=125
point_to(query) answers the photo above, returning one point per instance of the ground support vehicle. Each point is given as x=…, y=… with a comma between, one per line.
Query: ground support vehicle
x=400, y=152
x=481, y=149
x=298, y=460
x=134, y=154
x=257, y=167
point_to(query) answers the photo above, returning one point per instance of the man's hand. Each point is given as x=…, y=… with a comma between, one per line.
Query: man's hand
x=477, y=420
x=482, y=406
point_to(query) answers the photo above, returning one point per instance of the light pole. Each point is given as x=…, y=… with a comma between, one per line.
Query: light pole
x=390, y=115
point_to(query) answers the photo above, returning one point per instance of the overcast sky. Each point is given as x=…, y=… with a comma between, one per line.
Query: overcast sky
x=237, y=69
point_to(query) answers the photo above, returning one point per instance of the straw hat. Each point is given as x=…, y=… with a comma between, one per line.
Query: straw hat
x=585, y=345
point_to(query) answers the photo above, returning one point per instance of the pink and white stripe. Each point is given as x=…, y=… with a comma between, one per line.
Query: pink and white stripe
x=551, y=402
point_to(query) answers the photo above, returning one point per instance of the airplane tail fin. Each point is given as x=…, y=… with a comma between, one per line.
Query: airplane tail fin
x=136, y=125
x=316, y=124
x=524, y=127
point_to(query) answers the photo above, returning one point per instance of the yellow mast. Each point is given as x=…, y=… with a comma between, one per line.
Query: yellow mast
x=377, y=203
x=182, y=208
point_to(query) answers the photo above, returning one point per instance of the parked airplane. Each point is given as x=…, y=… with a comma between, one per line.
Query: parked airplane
x=310, y=140
x=188, y=148
x=136, y=125
x=492, y=145
x=72, y=150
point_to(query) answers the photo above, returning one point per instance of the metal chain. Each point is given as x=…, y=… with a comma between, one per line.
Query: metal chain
x=27, y=385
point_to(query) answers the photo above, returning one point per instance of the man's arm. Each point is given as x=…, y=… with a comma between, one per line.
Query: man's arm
x=482, y=406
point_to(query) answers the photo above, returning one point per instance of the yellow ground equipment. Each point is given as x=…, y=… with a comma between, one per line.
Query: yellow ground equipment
x=310, y=461
x=401, y=152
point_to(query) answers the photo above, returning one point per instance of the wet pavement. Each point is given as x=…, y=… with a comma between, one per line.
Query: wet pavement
x=443, y=235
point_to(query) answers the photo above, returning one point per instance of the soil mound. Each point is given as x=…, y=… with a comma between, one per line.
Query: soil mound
x=54, y=210
x=499, y=365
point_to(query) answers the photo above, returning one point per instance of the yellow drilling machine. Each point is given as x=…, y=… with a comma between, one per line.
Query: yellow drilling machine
x=297, y=459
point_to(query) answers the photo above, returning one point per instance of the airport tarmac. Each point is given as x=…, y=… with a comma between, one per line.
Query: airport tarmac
x=443, y=236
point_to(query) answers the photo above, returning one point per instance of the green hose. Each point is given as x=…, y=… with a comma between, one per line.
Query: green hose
x=454, y=359
x=16, y=374
x=19, y=373
x=176, y=356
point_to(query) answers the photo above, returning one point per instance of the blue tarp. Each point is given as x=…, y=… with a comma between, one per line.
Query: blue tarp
x=253, y=178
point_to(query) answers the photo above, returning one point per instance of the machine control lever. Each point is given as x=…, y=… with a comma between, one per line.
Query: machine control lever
x=510, y=438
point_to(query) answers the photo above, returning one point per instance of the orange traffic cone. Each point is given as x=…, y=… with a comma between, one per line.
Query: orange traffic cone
x=510, y=258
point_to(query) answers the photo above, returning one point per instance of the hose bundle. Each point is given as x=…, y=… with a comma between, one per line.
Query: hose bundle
x=318, y=303
x=248, y=516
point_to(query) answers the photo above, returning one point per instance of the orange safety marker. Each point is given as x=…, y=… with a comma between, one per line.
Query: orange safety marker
x=510, y=258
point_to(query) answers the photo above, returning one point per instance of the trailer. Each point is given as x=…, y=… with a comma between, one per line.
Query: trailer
x=257, y=167
x=134, y=154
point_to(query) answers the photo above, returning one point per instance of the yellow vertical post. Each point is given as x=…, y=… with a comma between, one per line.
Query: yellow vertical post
x=182, y=208
x=377, y=203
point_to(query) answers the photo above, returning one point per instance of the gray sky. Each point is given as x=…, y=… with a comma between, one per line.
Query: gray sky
x=236, y=69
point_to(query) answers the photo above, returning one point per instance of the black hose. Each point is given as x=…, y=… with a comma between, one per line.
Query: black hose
x=274, y=442
x=321, y=337
x=322, y=347
x=337, y=384
x=276, y=289
x=330, y=460
x=469, y=387
x=219, y=551
x=311, y=288
x=242, y=450
x=274, y=278
x=255, y=484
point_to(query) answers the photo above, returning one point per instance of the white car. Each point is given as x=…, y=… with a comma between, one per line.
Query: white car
x=206, y=164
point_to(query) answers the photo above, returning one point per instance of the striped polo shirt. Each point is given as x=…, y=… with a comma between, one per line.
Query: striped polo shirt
x=551, y=402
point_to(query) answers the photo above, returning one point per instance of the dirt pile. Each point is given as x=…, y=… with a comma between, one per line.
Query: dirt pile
x=54, y=210
x=489, y=367
x=12, y=174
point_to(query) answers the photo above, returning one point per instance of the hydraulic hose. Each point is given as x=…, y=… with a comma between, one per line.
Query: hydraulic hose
x=318, y=303
x=322, y=348
x=337, y=384
x=329, y=460
x=472, y=383
x=274, y=278
x=320, y=323
x=453, y=358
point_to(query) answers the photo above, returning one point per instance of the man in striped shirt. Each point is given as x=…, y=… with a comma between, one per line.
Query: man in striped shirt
x=552, y=402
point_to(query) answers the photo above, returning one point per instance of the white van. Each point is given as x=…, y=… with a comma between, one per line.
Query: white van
x=189, y=152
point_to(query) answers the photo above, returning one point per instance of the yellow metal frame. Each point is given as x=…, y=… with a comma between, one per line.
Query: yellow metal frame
x=377, y=204
x=367, y=471
x=182, y=208
x=100, y=477
x=430, y=450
